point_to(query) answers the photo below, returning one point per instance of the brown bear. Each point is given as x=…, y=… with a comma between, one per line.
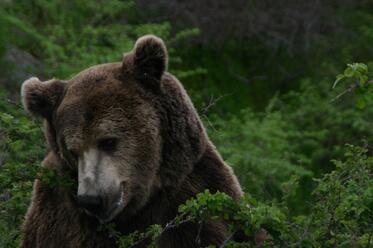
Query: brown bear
x=130, y=137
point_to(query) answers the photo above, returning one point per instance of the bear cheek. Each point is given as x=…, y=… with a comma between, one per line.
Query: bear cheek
x=115, y=178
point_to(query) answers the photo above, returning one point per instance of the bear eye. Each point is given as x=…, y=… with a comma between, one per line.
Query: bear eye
x=108, y=144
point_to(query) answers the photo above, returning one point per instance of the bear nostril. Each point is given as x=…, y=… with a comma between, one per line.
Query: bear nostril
x=92, y=203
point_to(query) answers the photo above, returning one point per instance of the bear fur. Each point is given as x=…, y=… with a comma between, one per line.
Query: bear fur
x=169, y=157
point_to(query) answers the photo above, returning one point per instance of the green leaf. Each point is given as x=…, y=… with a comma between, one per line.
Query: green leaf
x=360, y=103
x=348, y=72
x=338, y=78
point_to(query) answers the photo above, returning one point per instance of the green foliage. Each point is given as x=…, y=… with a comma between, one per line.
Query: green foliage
x=22, y=147
x=296, y=136
x=247, y=215
x=343, y=215
x=93, y=33
x=151, y=234
x=259, y=148
x=21, y=150
x=325, y=125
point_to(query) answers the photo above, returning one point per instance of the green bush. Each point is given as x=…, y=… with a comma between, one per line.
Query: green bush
x=259, y=148
x=22, y=147
x=297, y=136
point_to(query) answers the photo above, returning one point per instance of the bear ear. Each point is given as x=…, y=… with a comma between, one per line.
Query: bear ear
x=150, y=57
x=41, y=98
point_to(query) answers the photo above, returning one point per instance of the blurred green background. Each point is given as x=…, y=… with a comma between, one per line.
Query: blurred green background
x=259, y=72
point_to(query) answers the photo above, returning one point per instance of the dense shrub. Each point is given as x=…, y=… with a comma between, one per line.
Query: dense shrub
x=20, y=153
x=297, y=135
x=259, y=148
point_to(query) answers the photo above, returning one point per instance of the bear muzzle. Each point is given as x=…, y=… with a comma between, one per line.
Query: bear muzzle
x=92, y=203
x=104, y=210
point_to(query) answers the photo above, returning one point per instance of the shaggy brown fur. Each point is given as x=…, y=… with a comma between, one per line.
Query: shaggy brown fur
x=171, y=157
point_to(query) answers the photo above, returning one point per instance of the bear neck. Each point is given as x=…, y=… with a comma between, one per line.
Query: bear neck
x=210, y=172
x=184, y=139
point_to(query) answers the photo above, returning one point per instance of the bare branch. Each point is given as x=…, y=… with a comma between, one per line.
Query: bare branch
x=212, y=102
x=170, y=225
x=198, y=237
x=227, y=240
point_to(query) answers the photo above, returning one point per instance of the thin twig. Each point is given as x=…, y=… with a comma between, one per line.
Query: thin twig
x=227, y=240
x=198, y=237
x=369, y=239
x=305, y=232
x=350, y=89
x=8, y=100
x=212, y=102
x=209, y=122
x=168, y=226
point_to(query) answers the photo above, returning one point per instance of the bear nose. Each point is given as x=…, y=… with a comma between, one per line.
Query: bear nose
x=92, y=203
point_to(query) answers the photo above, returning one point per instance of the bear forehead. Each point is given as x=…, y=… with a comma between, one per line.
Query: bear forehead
x=97, y=102
x=93, y=78
x=99, y=88
x=81, y=122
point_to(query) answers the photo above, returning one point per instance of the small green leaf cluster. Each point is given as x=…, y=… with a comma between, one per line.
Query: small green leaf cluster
x=357, y=74
x=150, y=236
x=357, y=71
x=246, y=215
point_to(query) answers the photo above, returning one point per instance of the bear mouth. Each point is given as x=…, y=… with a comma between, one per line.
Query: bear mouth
x=116, y=208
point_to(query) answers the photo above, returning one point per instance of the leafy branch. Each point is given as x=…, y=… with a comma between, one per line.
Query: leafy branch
x=357, y=75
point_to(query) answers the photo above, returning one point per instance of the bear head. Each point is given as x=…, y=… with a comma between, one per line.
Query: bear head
x=125, y=129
